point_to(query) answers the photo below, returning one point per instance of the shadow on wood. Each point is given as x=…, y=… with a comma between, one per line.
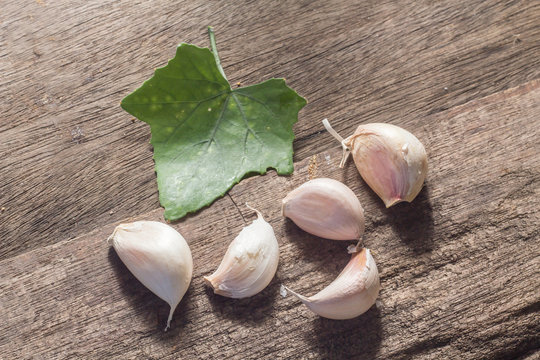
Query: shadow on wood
x=318, y=250
x=357, y=338
x=252, y=310
x=143, y=301
x=413, y=222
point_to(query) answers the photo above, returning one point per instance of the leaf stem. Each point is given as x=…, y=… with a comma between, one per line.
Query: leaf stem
x=214, y=50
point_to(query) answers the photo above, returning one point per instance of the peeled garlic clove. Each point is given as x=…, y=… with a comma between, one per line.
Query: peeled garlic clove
x=391, y=160
x=250, y=262
x=158, y=256
x=351, y=294
x=326, y=208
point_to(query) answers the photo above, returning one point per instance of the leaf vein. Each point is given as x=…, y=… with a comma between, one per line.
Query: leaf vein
x=188, y=148
x=240, y=107
x=218, y=122
x=187, y=119
x=257, y=101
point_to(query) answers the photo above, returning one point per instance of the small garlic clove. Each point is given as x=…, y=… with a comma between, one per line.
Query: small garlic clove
x=326, y=208
x=391, y=160
x=250, y=262
x=158, y=256
x=351, y=294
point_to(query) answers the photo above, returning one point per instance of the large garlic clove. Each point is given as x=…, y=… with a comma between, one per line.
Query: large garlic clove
x=250, y=262
x=391, y=160
x=158, y=256
x=326, y=208
x=351, y=294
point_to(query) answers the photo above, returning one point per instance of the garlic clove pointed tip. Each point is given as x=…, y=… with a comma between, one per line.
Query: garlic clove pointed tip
x=208, y=281
x=392, y=202
x=300, y=297
x=283, y=291
x=171, y=312
x=259, y=215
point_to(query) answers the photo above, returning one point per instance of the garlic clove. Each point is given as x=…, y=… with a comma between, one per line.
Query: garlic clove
x=326, y=208
x=391, y=160
x=351, y=294
x=158, y=256
x=250, y=262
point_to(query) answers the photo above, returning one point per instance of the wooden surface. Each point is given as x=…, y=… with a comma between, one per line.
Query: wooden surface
x=459, y=266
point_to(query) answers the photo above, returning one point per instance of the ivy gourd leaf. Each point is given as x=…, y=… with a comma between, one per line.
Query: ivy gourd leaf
x=208, y=136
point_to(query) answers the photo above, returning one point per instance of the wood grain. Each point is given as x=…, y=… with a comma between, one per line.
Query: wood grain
x=72, y=161
x=459, y=266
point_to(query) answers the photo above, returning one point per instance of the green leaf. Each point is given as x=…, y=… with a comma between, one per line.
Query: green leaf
x=207, y=136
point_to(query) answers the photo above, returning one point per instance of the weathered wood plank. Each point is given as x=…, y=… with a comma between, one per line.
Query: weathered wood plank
x=459, y=266
x=71, y=160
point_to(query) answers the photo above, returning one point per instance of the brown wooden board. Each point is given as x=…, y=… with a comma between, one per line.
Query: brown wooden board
x=459, y=266
x=72, y=161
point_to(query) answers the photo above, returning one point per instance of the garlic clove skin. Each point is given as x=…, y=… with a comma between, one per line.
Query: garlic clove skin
x=351, y=294
x=326, y=208
x=250, y=262
x=391, y=160
x=158, y=256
